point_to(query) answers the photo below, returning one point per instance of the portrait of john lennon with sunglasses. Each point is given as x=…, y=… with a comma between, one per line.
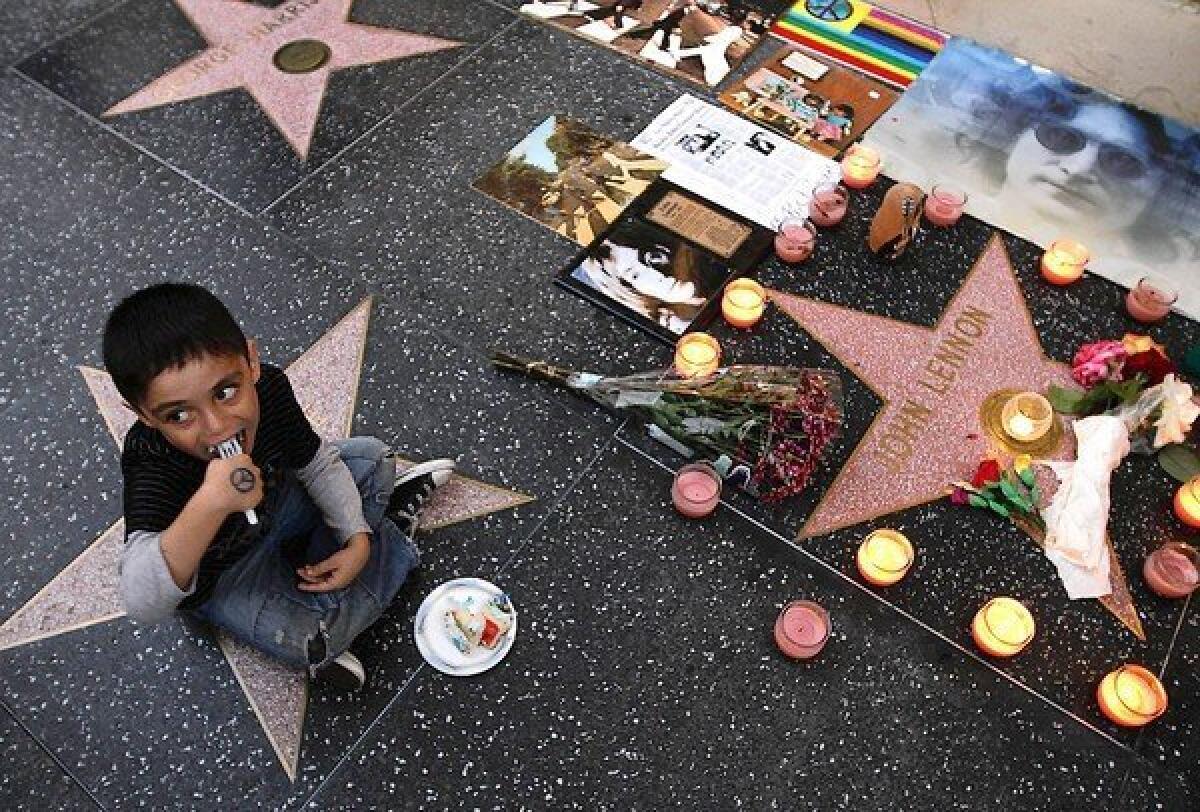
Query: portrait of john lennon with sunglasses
x=1043, y=157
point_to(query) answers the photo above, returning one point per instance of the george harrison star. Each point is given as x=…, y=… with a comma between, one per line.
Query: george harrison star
x=281, y=56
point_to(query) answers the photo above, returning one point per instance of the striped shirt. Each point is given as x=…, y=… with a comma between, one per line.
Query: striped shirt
x=160, y=479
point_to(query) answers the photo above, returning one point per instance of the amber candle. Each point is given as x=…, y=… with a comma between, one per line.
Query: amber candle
x=884, y=557
x=1026, y=417
x=1064, y=261
x=743, y=303
x=696, y=355
x=1131, y=696
x=1003, y=627
x=1187, y=502
x=860, y=166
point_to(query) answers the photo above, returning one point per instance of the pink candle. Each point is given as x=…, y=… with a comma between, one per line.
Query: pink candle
x=1171, y=570
x=1150, y=300
x=802, y=629
x=829, y=205
x=697, y=490
x=944, y=205
x=795, y=240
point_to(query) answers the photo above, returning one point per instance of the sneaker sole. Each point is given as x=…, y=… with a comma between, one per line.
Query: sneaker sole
x=423, y=468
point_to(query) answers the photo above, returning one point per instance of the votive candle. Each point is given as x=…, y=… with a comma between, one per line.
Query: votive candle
x=802, y=629
x=1150, y=299
x=944, y=204
x=1187, y=502
x=696, y=355
x=1003, y=627
x=795, y=240
x=743, y=303
x=1027, y=416
x=884, y=557
x=860, y=166
x=829, y=204
x=1131, y=696
x=1171, y=571
x=1064, y=261
x=696, y=490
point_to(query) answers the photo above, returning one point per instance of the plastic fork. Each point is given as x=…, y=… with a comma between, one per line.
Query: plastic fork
x=231, y=448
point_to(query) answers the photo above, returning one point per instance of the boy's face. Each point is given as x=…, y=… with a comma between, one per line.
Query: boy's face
x=204, y=402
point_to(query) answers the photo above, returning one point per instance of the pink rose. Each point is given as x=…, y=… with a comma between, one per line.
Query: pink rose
x=1098, y=362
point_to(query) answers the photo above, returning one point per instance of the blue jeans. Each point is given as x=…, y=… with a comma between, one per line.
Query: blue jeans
x=257, y=600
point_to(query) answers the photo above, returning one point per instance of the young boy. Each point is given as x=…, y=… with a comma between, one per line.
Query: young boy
x=333, y=540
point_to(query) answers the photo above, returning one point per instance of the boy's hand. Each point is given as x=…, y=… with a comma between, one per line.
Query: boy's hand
x=232, y=485
x=340, y=569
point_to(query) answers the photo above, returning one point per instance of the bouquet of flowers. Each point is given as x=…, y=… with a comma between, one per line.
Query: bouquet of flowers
x=774, y=421
x=1010, y=491
x=1132, y=379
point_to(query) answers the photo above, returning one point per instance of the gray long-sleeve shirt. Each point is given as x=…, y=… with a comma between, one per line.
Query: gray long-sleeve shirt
x=149, y=592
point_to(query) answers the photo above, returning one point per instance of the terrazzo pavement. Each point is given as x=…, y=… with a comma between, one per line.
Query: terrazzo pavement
x=644, y=675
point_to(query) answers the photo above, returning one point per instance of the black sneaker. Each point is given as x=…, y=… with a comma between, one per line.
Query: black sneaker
x=413, y=489
x=344, y=672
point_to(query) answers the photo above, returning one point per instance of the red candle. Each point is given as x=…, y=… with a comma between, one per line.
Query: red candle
x=1150, y=300
x=1171, y=570
x=696, y=490
x=802, y=629
x=829, y=204
x=795, y=240
x=944, y=205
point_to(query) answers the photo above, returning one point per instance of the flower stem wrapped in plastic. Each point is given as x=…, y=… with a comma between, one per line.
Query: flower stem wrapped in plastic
x=776, y=421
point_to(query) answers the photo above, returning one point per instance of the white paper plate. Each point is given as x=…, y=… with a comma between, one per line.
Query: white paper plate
x=431, y=638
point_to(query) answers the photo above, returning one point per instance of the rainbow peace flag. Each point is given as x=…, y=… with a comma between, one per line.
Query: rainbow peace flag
x=877, y=42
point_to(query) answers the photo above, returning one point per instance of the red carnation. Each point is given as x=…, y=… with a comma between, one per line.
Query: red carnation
x=1151, y=364
x=989, y=471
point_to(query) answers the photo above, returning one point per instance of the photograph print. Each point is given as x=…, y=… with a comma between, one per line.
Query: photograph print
x=570, y=178
x=649, y=277
x=1044, y=157
x=700, y=40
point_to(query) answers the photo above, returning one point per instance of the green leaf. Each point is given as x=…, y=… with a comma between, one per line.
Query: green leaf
x=1179, y=461
x=1027, y=476
x=975, y=500
x=1011, y=492
x=1127, y=391
x=996, y=507
x=1064, y=400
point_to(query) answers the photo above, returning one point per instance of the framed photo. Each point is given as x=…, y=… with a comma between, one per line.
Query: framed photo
x=649, y=277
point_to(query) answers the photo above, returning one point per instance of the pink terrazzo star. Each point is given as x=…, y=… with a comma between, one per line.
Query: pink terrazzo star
x=325, y=381
x=933, y=382
x=243, y=41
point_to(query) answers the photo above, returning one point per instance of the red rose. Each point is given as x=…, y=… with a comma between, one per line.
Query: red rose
x=1151, y=364
x=989, y=471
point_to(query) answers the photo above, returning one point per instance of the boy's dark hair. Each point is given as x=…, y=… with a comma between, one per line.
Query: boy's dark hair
x=162, y=327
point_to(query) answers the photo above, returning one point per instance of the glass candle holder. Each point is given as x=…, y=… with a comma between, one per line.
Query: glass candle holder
x=1150, y=299
x=1064, y=261
x=1187, y=502
x=795, y=240
x=1026, y=417
x=860, y=166
x=743, y=303
x=802, y=629
x=829, y=205
x=884, y=557
x=1003, y=627
x=1131, y=696
x=696, y=490
x=696, y=355
x=945, y=204
x=1173, y=570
